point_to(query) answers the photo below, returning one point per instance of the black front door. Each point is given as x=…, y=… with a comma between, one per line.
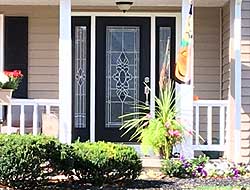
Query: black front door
x=81, y=78
x=122, y=63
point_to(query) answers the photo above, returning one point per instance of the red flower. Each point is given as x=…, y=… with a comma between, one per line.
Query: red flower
x=17, y=73
x=14, y=79
x=8, y=73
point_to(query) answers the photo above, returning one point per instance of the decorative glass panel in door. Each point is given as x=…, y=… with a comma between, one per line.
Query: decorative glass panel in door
x=122, y=72
x=80, y=77
x=165, y=46
x=122, y=64
x=80, y=82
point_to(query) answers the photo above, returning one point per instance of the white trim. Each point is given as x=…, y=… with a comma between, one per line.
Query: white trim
x=92, y=78
x=213, y=147
x=127, y=14
x=178, y=33
x=237, y=73
x=65, y=72
x=1, y=42
x=152, y=65
x=214, y=103
x=1, y=52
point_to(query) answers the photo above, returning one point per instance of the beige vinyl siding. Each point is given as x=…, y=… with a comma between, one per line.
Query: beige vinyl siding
x=225, y=51
x=245, y=59
x=206, y=53
x=43, y=48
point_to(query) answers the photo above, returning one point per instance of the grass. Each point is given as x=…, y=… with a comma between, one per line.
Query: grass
x=221, y=188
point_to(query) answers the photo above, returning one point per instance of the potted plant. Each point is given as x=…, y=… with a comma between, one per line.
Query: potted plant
x=162, y=132
x=9, y=81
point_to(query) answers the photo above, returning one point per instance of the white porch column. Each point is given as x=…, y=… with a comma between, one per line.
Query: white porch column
x=185, y=94
x=1, y=52
x=1, y=42
x=235, y=82
x=65, y=72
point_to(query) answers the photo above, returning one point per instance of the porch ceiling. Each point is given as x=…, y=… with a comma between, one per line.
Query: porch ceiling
x=200, y=3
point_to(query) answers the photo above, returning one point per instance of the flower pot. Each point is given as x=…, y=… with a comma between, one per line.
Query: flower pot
x=5, y=95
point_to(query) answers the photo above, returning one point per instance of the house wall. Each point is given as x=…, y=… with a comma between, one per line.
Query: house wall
x=245, y=90
x=206, y=53
x=43, y=48
x=225, y=51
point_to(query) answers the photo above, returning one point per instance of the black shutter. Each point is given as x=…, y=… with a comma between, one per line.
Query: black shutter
x=16, y=50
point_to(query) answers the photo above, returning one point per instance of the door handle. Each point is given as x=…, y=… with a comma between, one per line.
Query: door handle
x=146, y=90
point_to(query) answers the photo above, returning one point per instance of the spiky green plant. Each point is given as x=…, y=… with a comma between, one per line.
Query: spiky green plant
x=161, y=132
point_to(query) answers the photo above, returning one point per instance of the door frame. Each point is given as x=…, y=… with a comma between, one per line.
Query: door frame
x=152, y=16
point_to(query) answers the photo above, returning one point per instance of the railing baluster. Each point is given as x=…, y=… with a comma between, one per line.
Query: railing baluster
x=197, y=123
x=209, y=125
x=227, y=152
x=222, y=125
x=47, y=109
x=22, y=120
x=35, y=119
x=9, y=119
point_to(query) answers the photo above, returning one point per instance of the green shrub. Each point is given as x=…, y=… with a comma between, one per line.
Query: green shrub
x=105, y=163
x=27, y=161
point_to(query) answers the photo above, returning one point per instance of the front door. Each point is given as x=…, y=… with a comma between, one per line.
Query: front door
x=122, y=63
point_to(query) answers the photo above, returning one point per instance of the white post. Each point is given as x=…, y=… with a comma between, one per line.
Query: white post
x=237, y=81
x=65, y=72
x=185, y=94
x=92, y=79
x=9, y=119
x=1, y=42
x=22, y=120
x=152, y=67
x=35, y=119
x=1, y=53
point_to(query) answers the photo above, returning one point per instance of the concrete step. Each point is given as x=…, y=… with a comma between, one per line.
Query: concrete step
x=151, y=163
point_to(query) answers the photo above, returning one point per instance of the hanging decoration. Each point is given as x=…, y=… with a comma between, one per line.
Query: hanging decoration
x=183, y=65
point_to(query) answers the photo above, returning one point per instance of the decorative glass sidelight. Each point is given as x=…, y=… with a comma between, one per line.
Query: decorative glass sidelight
x=80, y=76
x=122, y=72
x=164, y=43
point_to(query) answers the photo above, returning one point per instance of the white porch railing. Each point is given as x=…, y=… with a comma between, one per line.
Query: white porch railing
x=205, y=123
x=36, y=107
x=210, y=116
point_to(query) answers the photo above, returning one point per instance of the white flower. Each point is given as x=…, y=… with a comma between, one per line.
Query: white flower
x=220, y=172
x=209, y=167
x=3, y=78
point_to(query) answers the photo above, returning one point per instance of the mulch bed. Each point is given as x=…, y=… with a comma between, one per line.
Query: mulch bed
x=154, y=184
x=158, y=182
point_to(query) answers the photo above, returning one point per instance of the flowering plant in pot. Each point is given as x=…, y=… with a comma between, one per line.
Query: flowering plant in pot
x=9, y=81
x=162, y=132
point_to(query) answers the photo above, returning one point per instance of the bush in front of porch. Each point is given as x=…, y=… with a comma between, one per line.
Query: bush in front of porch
x=105, y=163
x=26, y=162
x=30, y=162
